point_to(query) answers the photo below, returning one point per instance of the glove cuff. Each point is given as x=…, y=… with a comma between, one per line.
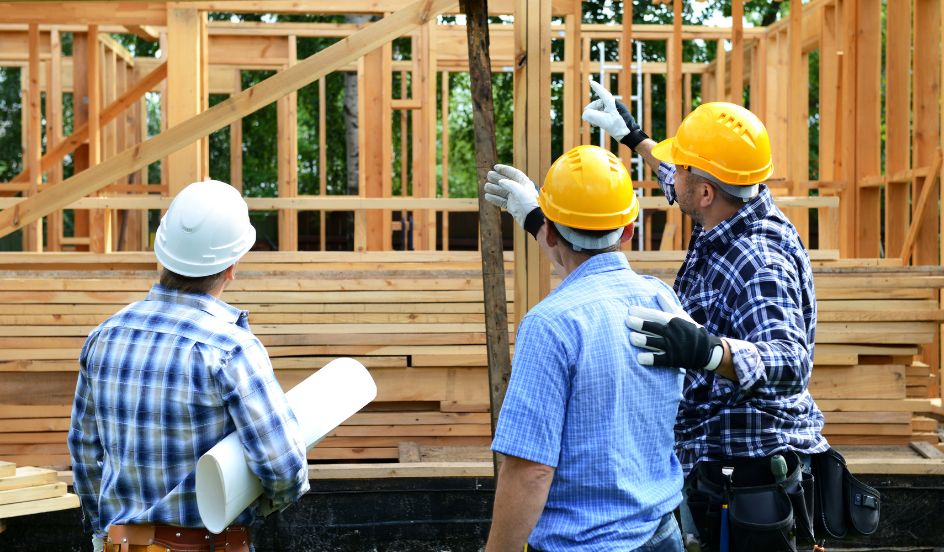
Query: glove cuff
x=634, y=138
x=534, y=221
x=715, y=353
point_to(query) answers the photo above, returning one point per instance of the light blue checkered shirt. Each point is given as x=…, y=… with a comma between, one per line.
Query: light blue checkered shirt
x=578, y=401
x=160, y=383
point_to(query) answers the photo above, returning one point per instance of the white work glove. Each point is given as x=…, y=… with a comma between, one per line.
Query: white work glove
x=511, y=189
x=98, y=544
x=603, y=113
x=612, y=116
x=674, y=339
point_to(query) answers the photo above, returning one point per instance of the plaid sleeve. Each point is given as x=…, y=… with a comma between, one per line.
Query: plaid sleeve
x=666, y=177
x=266, y=426
x=776, y=362
x=85, y=448
x=531, y=421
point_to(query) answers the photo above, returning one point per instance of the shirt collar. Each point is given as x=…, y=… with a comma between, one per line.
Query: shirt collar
x=729, y=229
x=604, y=262
x=207, y=303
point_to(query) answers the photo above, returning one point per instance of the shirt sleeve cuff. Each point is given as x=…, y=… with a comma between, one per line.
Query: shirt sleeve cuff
x=747, y=362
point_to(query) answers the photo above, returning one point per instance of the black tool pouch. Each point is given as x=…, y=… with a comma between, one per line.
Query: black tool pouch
x=843, y=502
x=762, y=513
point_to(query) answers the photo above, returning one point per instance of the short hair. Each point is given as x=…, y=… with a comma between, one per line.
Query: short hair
x=589, y=233
x=186, y=284
x=725, y=195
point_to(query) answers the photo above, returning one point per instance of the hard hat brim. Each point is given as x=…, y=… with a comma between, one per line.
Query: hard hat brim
x=663, y=151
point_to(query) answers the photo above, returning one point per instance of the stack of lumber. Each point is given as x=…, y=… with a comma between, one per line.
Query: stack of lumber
x=872, y=323
x=28, y=490
x=415, y=320
x=873, y=319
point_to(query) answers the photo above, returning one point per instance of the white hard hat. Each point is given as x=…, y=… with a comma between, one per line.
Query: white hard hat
x=205, y=230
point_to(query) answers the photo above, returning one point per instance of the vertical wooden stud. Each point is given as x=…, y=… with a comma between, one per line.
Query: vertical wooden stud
x=737, y=52
x=33, y=233
x=184, y=84
x=927, y=82
x=897, y=121
x=54, y=132
x=287, y=122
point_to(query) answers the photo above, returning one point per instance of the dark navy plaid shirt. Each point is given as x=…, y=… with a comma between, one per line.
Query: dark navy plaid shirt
x=749, y=281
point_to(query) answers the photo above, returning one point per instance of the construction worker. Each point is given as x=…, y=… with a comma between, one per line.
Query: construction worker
x=746, y=285
x=166, y=378
x=585, y=430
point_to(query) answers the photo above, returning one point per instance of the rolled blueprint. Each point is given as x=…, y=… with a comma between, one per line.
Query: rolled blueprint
x=225, y=484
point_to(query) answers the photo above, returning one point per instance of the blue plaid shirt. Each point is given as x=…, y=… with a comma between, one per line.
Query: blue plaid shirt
x=749, y=281
x=160, y=383
x=578, y=401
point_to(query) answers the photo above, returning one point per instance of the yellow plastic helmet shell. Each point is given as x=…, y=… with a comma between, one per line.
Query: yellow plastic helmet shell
x=589, y=188
x=723, y=139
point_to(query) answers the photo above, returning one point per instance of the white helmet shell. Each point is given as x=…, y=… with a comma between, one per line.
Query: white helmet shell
x=205, y=230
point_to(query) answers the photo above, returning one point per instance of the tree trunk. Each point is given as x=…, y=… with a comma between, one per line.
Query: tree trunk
x=350, y=116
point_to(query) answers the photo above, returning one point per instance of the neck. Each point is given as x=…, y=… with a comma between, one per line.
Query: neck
x=717, y=213
x=571, y=259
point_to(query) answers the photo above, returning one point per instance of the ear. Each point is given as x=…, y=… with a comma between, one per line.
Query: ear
x=230, y=273
x=708, y=193
x=551, y=234
x=628, y=232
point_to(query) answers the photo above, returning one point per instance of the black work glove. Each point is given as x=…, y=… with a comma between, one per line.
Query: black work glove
x=673, y=339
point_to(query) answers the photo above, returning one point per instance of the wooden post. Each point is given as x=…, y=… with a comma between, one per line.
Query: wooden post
x=828, y=119
x=80, y=113
x=100, y=235
x=33, y=233
x=868, y=129
x=897, y=121
x=54, y=132
x=927, y=81
x=445, y=157
x=573, y=84
x=721, y=63
x=375, y=91
x=287, y=123
x=797, y=136
x=183, y=90
x=486, y=155
x=737, y=52
x=322, y=160
x=626, y=73
x=236, y=140
x=846, y=154
x=673, y=98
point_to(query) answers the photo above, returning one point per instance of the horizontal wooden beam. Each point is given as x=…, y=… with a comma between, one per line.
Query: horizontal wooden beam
x=222, y=114
x=85, y=13
x=350, y=203
x=495, y=7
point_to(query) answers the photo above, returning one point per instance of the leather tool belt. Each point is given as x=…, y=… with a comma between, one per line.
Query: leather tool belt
x=167, y=538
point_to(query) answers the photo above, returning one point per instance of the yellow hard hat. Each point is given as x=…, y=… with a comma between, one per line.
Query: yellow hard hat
x=588, y=188
x=724, y=140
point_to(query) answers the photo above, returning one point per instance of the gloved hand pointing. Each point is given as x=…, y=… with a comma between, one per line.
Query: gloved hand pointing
x=674, y=339
x=612, y=116
x=511, y=189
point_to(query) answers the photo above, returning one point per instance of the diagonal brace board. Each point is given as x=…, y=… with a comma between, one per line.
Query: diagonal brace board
x=922, y=203
x=80, y=135
x=238, y=106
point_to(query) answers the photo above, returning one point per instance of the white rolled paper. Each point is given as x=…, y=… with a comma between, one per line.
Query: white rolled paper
x=225, y=484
